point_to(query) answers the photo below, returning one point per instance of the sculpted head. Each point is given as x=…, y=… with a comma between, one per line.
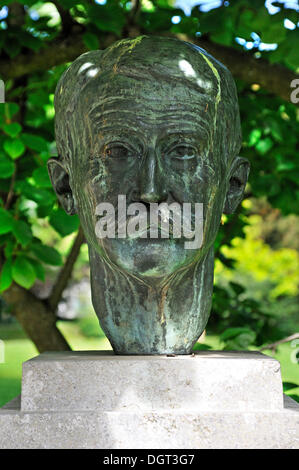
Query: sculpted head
x=156, y=120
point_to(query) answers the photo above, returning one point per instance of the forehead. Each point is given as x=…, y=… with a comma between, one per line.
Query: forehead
x=118, y=101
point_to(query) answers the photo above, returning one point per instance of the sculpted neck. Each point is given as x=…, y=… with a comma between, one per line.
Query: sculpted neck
x=139, y=318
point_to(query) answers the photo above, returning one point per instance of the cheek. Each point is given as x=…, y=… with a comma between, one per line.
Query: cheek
x=86, y=206
x=86, y=196
x=197, y=182
x=99, y=178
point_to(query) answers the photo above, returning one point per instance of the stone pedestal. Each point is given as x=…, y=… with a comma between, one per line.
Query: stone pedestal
x=96, y=399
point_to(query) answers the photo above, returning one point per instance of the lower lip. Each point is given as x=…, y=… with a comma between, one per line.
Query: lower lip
x=152, y=239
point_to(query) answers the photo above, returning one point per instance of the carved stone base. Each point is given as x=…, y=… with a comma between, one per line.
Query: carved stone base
x=96, y=399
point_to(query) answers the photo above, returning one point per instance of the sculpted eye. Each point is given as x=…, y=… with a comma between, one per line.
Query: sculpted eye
x=117, y=151
x=182, y=152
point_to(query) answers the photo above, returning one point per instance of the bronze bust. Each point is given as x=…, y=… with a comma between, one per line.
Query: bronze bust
x=149, y=121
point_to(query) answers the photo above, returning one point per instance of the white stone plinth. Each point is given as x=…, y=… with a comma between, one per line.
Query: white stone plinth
x=100, y=400
x=205, y=381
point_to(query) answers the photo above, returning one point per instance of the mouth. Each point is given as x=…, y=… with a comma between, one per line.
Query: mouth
x=157, y=224
x=152, y=232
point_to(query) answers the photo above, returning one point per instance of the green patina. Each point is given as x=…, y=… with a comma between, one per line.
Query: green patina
x=151, y=297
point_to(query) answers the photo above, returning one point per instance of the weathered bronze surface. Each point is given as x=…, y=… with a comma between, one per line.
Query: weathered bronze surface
x=157, y=120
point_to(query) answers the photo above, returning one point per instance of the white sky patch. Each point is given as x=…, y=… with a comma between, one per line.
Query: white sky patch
x=176, y=19
x=289, y=24
x=262, y=46
x=272, y=9
x=205, y=5
x=3, y=13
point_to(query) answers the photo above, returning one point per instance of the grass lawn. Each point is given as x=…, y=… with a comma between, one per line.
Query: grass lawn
x=18, y=348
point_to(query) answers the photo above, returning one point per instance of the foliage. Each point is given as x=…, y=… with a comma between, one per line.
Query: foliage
x=258, y=285
x=270, y=135
x=266, y=266
x=240, y=321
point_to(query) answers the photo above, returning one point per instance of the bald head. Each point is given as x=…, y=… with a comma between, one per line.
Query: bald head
x=163, y=73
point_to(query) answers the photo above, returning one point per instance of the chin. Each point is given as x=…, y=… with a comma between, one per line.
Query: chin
x=144, y=258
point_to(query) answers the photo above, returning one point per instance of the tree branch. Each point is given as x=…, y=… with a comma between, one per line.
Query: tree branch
x=67, y=20
x=65, y=273
x=35, y=317
x=274, y=78
x=16, y=14
x=11, y=190
x=273, y=346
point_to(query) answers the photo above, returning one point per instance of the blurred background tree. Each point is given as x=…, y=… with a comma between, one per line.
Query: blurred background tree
x=44, y=279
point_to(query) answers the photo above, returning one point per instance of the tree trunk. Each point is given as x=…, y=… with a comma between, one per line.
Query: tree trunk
x=36, y=318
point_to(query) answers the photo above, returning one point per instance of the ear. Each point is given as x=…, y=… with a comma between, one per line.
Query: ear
x=60, y=180
x=237, y=182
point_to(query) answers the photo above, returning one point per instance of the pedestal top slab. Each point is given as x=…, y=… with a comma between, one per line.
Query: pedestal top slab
x=106, y=355
x=103, y=381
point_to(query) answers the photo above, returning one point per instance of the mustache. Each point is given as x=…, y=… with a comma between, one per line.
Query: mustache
x=159, y=220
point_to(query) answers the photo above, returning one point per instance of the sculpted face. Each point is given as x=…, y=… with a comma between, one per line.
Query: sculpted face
x=153, y=137
x=154, y=157
x=155, y=120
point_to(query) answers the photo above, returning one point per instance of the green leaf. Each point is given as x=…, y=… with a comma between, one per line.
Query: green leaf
x=264, y=145
x=6, y=221
x=292, y=59
x=289, y=386
x=233, y=332
x=238, y=338
x=108, y=18
x=254, y=137
x=23, y=272
x=237, y=288
x=9, y=248
x=287, y=166
x=41, y=177
x=67, y=3
x=91, y=41
x=47, y=254
x=22, y=232
x=43, y=211
x=14, y=148
x=11, y=109
x=12, y=47
x=41, y=196
x=30, y=41
x=7, y=167
x=12, y=129
x=6, y=275
x=39, y=269
x=34, y=142
x=201, y=347
x=275, y=129
x=63, y=223
x=274, y=33
x=223, y=37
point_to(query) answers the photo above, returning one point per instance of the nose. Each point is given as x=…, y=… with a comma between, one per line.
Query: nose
x=152, y=180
